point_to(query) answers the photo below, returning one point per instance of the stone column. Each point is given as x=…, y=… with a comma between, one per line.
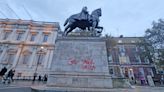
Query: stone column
x=26, y=35
x=32, y=58
x=1, y=31
x=54, y=36
x=39, y=40
x=3, y=54
x=17, y=56
x=46, y=58
x=50, y=59
x=121, y=73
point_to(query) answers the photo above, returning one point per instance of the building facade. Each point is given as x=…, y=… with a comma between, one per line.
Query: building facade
x=27, y=46
x=125, y=60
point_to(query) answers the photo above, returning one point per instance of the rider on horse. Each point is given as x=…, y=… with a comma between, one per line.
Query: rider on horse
x=84, y=15
x=83, y=21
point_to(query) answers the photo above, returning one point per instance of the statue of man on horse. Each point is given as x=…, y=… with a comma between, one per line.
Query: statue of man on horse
x=84, y=15
x=83, y=20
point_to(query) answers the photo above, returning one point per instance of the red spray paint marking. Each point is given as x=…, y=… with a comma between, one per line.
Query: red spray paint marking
x=88, y=65
x=72, y=61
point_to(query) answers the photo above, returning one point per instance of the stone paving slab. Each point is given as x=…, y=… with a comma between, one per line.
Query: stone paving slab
x=67, y=89
x=42, y=87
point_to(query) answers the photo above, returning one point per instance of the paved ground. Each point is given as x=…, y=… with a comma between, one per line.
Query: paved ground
x=43, y=85
x=22, y=83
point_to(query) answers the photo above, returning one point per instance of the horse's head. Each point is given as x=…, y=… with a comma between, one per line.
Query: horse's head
x=96, y=12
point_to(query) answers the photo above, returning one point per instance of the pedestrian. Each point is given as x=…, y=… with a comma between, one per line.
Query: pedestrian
x=162, y=79
x=9, y=76
x=40, y=78
x=3, y=71
x=45, y=77
x=34, y=77
x=12, y=75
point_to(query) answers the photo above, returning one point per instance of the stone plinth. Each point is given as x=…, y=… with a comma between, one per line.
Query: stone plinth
x=80, y=62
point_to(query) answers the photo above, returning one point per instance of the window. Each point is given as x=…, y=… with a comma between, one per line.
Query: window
x=19, y=36
x=110, y=58
x=32, y=37
x=132, y=41
x=11, y=25
x=6, y=35
x=10, y=58
x=136, y=58
x=119, y=41
x=45, y=38
x=26, y=58
x=111, y=71
x=146, y=60
x=136, y=49
x=122, y=50
x=124, y=60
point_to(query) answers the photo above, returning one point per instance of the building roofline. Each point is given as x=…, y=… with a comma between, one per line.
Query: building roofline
x=29, y=22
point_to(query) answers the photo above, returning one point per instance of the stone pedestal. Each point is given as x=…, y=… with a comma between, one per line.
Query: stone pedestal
x=80, y=62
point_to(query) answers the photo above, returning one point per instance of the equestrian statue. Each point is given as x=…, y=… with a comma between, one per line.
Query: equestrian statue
x=83, y=20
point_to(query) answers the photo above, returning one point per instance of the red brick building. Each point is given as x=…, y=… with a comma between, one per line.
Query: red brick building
x=125, y=59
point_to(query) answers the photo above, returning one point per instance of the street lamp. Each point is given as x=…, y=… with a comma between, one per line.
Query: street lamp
x=40, y=52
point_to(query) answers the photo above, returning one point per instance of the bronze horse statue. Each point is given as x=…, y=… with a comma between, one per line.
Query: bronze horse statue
x=91, y=22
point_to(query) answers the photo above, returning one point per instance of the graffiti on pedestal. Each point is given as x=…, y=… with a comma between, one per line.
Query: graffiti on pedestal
x=72, y=61
x=88, y=65
x=85, y=64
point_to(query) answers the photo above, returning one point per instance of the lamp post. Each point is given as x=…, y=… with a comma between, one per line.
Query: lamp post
x=40, y=52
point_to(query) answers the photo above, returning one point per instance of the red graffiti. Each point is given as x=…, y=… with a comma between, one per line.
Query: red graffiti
x=88, y=65
x=88, y=62
x=72, y=61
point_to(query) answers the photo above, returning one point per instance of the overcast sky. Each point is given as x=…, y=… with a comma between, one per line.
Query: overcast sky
x=126, y=17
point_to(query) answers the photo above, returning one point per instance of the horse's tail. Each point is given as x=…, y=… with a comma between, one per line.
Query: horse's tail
x=66, y=22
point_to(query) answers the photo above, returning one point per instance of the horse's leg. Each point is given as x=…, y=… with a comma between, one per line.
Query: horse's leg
x=66, y=22
x=66, y=30
x=101, y=28
x=98, y=27
x=94, y=25
x=71, y=28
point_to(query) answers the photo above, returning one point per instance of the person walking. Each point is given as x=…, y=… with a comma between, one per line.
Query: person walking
x=45, y=77
x=34, y=77
x=162, y=79
x=40, y=78
x=3, y=71
x=12, y=75
x=9, y=76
